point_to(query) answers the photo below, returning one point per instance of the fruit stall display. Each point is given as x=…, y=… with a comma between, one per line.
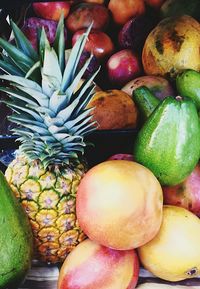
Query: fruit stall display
x=100, y=139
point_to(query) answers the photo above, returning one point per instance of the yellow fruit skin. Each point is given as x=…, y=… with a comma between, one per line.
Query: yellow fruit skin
x=174, y=254
x=173, y=45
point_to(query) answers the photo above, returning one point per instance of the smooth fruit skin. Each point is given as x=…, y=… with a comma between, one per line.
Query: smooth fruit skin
x=174, y=254
x=168, y=143
x=159, y=86
x=185, y=194
x=119, y=204
x=86, y=13
x=123, y=66
x=92, y=266
x=51, y=10
x=188, y=84
x=99, y=43
x=124, y=10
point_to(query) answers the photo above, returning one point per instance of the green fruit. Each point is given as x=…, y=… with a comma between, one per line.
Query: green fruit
x=169, y=142
x=145, y=101
x=188, y=84
x=15, y=238
x=181, y=7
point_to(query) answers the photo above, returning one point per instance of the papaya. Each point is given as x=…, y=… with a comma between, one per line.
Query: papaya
x=188, y=84
x=169, y=141
x=180, y=7
x=15, y=238
x=172, y=46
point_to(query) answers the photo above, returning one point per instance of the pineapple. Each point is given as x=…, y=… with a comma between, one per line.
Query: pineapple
x=52, y=120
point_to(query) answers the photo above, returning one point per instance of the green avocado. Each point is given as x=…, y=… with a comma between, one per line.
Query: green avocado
x=16, y=241
x=169, y=141
x=145, y=100
x=188, y=84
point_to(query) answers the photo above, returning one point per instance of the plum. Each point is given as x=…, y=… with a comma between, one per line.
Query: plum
x=134, y=32
x=93, y=65
x=32, y=24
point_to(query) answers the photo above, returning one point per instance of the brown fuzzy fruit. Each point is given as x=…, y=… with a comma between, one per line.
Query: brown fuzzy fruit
x=173, y=45
x=114, y=109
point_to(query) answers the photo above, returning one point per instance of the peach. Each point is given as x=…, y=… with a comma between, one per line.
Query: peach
x=123, y=10
x=93, y=266
x=51, y=10
x=119, y=204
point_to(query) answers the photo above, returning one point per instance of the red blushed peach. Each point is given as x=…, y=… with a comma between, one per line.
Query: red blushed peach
x=92, y=266
x=51, y=10
x=119, y=204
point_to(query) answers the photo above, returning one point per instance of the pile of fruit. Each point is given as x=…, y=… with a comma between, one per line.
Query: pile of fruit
x=74, y=67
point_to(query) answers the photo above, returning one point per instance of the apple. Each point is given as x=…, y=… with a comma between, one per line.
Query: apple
x=99, y=43
x=124, y=10
x=31, y=26
x=92, y=266
x=51, y=10
x=123, y=66
x=185, y=194
x=84, y=14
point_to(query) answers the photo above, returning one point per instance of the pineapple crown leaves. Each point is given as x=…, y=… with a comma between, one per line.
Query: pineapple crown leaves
x=51, y=113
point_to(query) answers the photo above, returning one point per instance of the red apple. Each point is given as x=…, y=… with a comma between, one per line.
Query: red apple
x=92, y=266
x=123, y=66
x=84, y=14
x=99, y=43
x=186, y=194
x=51, y=10
x=32, y=24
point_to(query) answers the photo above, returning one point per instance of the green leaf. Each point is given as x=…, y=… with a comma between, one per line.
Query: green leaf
x=59, y=43
x=22, y=81
x=20, y=59
x=43, y=43
x=73, y=60
x=23, y=43
x=10, y=69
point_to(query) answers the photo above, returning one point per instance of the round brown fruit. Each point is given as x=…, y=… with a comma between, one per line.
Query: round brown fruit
x=91, y=265
x=114, y=109
x=119, y=204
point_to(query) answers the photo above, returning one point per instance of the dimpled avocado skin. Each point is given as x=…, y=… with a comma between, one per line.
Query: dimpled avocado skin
x=169, y=141
x=16, y=242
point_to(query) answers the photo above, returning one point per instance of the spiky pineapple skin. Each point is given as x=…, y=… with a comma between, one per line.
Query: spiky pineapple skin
x=49, y=199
